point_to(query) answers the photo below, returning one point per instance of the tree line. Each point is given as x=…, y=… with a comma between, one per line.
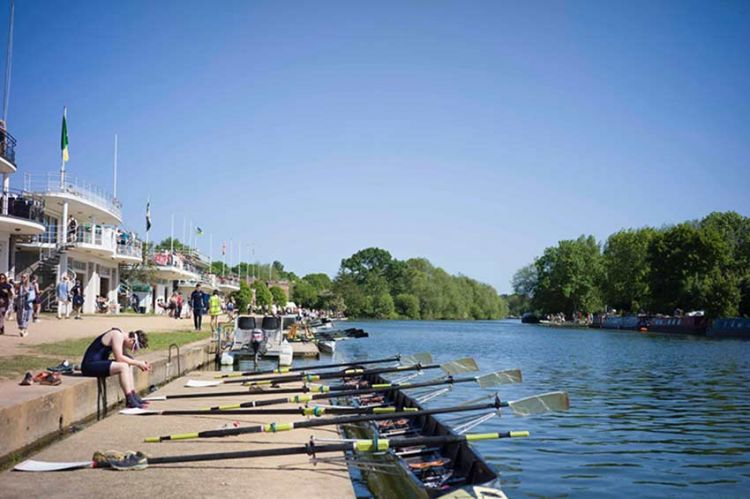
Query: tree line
x=369, y=284
x=694, y=265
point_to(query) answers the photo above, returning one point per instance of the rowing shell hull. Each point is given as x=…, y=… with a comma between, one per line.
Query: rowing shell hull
x=469, y=468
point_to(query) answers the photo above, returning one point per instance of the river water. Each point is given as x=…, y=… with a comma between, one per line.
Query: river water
x=652, y=415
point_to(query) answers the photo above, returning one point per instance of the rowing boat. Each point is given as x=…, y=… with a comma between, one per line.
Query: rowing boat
x=424, y=471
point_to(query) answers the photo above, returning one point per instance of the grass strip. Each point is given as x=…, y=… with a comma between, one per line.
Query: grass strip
x=74, y=349
x=51, y=354
x=15, y=366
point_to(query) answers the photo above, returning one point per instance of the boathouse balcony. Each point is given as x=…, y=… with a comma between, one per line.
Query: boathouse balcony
x=171, y=266
x=129, y=250
x=21, y=214
x=227, y=284
x=85, y=201
x=7, y=152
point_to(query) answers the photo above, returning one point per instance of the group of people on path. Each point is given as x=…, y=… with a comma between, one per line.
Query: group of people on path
x=24, y=297
x=21, y=297
x=199, y=304
x=69, y=297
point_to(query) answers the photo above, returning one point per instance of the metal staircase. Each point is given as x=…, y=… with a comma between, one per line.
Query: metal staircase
x=45, y=268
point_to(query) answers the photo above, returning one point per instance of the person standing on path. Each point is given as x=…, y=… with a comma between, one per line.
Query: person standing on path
x=6, y=299
x=63, y=298
x=38, y=299
x=196, y=300
x=180, y=303
x=214, y=310
x=97, y=364
x=24, y=304
x=77, y=296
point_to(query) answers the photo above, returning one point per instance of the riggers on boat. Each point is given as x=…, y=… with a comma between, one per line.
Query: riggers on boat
x=429, y=471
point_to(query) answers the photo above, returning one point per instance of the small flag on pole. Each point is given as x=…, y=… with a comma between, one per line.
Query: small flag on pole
x=148, y=216
x=198, y=231
x=64, y=136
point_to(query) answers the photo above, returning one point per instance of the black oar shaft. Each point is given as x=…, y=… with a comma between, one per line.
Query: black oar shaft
x=304, y=376
x=284, y=451
x=302, y=411
x=282, y=370
x=343, y=393
x=312, y=423
x=359, y=445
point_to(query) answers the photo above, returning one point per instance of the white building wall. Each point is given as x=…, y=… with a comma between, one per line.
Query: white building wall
x=89, y=270
x=4, y=252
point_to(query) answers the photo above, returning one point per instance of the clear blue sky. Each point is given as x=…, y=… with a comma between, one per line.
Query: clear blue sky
x=474, y=134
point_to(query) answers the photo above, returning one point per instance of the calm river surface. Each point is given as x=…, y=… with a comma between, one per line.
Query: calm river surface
x=652, y=415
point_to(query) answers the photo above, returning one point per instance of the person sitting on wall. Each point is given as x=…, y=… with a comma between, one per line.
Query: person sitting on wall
x=97, y=364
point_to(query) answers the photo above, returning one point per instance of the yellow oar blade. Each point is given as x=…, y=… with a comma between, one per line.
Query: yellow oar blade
x=499, y=378
x=538, y=404
x=460, y=366
x=416, y=358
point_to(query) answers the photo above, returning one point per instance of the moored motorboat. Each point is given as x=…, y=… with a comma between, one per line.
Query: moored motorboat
x=327, y=346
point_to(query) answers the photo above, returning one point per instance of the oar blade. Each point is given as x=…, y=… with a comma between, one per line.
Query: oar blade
x=416, y=358
x=460, y=366
x=538, y=404
x=134, y=411
x=155, y=397
x=31, y=465
x=197, y=383
x=499, y=378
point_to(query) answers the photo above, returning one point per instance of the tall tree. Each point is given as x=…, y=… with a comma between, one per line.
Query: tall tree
x=689, y=271
x=569, y=277
x=626, y=269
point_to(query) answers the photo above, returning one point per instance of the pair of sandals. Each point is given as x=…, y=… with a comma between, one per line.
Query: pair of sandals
x=42, y=378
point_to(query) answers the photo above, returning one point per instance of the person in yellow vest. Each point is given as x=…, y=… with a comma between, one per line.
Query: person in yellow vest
x=214, y=310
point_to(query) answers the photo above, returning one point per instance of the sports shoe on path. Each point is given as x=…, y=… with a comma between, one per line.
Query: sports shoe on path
x=131, y=461
x=62, y=367
x=27, y=380
x=131, y=402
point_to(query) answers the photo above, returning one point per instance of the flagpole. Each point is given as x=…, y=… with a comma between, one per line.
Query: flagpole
x=62, y=156
x=171, y=236
x=8, y=63
x=114, y=175
x=210, y=252
x=148, y=210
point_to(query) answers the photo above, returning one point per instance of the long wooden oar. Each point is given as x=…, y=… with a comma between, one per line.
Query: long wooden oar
x=140, y=461
x=453, y=367
x=486, y=381
x=423, y=358
x=553, y=401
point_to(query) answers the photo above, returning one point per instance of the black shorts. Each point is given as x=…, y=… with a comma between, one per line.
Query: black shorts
x=96, y=368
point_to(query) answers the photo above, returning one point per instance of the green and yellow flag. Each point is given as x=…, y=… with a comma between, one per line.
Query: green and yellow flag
x=64, y=137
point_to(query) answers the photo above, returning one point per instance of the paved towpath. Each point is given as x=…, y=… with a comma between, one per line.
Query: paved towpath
x=285, y=476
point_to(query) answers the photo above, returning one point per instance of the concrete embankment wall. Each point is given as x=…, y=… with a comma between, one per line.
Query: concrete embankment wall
x=38, y=414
